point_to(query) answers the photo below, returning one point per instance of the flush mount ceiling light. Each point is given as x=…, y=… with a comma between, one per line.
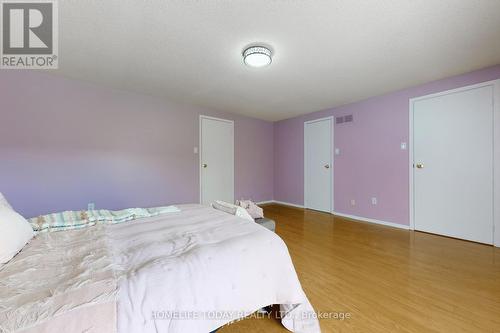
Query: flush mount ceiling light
x=257, y=56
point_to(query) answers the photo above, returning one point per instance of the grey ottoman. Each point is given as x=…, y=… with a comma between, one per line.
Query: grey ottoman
x=267, y=223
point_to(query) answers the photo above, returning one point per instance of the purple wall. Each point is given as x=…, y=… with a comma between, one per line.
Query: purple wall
x=65, y=143
x=371, y=163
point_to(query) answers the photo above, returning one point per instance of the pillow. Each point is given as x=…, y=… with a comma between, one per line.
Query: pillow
x=255, y=211
x=68, y=220
x=224, y=207
x=4, y=202
x=71, y=220
x=15, y=233
x=232, y=209
x=242, y=212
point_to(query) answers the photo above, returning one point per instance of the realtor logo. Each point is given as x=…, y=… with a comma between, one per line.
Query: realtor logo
x=29, y=34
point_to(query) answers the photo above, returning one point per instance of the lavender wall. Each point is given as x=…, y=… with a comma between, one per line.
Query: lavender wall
x=65, y=143
x=371, y=163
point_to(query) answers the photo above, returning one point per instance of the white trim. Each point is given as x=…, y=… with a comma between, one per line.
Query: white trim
x=496, y=151
x=410, y=165
x=200, y=149
x=369, y=220
x=265, y=202
x=496, y=163
x=218, y=119
x=460, y=89
x=353, y=217
x=332, y=159
x=286, y=204
x=319, y=119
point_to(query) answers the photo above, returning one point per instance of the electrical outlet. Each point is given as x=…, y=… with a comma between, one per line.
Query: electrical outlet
x=374, y=201
x=353, y=202
x=91, y=206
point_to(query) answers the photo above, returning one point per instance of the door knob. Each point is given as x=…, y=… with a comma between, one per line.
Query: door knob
x=204, y=165
x=327, y=166
x=420, y=165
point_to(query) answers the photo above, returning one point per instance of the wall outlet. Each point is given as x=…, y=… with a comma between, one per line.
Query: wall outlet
x=91, y=206
x=374, y=201
x=353, y=202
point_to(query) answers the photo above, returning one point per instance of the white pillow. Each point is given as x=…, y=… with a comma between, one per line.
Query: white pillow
x=224, y=207
x=15, y=232
x=4, y=202
x=232, y=209
x=242, y=212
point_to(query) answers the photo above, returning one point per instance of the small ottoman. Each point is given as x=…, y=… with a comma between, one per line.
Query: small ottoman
x=267, y=223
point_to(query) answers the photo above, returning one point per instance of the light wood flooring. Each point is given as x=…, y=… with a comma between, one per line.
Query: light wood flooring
x=389, y=280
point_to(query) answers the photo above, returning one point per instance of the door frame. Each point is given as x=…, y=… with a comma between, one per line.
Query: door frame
x=332, y=172
x=200, y=150
x=495, y=84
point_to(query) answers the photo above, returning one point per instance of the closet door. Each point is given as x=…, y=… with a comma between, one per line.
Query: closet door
x=216, y=160
x=318, y=168
x=453, y=161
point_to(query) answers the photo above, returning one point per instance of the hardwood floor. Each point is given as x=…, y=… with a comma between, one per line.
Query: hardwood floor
x=389, y=280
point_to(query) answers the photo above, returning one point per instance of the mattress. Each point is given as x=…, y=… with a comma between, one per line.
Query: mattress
x=188, y=271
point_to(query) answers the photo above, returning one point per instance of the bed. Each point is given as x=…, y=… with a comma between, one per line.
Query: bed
x=189, y=271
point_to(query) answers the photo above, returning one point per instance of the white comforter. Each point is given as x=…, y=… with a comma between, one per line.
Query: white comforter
x=192, y=271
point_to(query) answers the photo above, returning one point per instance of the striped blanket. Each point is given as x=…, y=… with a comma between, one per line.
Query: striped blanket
x=70, y=220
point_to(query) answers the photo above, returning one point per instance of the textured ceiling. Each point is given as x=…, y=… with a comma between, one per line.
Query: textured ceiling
x=326, y=53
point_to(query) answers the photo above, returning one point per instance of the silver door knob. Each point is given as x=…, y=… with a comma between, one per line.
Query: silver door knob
x=204, y=165
x=420, y=165
x=327, y=166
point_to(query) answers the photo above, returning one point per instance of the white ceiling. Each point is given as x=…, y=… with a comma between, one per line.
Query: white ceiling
x=326, y=53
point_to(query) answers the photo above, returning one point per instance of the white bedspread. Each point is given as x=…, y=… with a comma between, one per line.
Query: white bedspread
x=192, y=271
x=60, y=282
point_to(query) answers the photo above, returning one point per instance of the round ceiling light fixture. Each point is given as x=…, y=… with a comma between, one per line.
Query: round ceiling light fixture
x=257, y=56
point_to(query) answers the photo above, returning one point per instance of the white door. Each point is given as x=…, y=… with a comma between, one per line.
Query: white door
x=216, y=160
x=318, y=168
x=453, y=160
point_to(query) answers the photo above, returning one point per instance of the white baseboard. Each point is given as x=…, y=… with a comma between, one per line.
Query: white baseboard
x=265, y=202
x=287, y=204
x=369, y=220
x=352, y=217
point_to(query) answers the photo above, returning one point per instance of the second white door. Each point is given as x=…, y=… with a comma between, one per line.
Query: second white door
x=216, y=160
x=318, y=168
x=453, y=159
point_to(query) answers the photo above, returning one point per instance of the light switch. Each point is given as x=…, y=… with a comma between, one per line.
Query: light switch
x=195, y=150
x=403, y=145
x=337, y=151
